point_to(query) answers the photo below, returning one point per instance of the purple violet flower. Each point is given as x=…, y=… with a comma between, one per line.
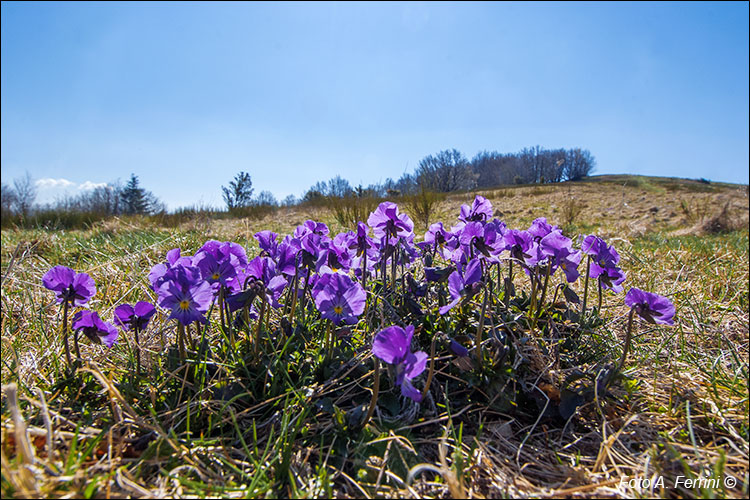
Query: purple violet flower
x=94, y=328
x=336, y=253
x=310, y=226
x=559, y=250
x=480, y=210
x=338, y=298
x=286, y=258
x=541, y=228
x=604, y=260
x=362, y=242
x=611, y=279
x=593, y=245
x=267, y=242
x=393, y=345
x=216, y=271
x=158, y=274
x=387, y=221
x=484, y=237
x=438, y=274
x=457, y=349
x=521, y=245
x=263, y=269
x=136, y=317
x=650, y=306
x=69, y=286
x=246, y=297
x=464, y=284
x=186, y=297
x=223, y=251
x=437, y=236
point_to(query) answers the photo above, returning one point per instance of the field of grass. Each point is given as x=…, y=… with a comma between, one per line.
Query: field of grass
x=284, y=422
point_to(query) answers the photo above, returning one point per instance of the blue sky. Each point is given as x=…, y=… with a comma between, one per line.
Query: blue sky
x=185, y=95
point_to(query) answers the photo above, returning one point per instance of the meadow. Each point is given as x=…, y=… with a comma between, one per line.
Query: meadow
x=516, y=390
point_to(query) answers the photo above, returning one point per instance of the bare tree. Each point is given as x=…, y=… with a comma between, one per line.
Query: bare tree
x=446, y=171
x=339, y=187
x=578, y=164
x=8, y=199
x=289, y=201
x=25, y=194
x=266, y=198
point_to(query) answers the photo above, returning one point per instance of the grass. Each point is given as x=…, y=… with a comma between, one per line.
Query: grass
x=232, y=427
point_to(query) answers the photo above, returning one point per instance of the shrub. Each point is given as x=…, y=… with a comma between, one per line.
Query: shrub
x=571, y=209
x=423, y=204
x=351, y=209
x=723, y=222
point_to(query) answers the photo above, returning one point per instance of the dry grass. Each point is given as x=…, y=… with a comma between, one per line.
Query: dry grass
x=683, y=411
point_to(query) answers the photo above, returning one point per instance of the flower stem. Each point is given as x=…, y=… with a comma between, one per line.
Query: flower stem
x=189, y=337
x=181, y=340
x=75, y=346
x=364, y=269
x=329, y=340
x=246, y=315
x=65, y=334
x=260, y=322
x=293, y=289
x=137, y=352
x=384, y=258
x=499, y=279
x=544, y=289
x=586, y=286
x=557, y=291
x=393, y=269
x=599, y=308
x=626, y=347
x=303, y=300
x=532, y=305
x=508, y=284
x=230, y=327
x=221, y=308
x=432, y=368
x=375, y=390
x=479, y=331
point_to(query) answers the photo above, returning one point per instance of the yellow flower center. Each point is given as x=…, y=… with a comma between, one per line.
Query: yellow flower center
x=338, y=309
x=565, y=268
x=185, y=305
x=215, y=276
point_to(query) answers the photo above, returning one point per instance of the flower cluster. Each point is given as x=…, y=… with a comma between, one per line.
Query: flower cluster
x=313, y=273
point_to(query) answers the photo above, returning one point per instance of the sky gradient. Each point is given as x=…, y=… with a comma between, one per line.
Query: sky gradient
x=186, y=95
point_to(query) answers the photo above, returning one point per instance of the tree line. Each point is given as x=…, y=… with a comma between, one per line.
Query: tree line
x=19, y=200
x=444, y=172
x=449, y=170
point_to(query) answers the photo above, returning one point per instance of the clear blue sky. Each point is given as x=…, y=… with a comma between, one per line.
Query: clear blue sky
x=185, y=95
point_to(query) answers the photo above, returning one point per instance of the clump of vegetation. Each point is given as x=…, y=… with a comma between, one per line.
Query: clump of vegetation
x=723, y=222
x=423, y=205
x=353, y=207
x=695, y=211
x=571, y=209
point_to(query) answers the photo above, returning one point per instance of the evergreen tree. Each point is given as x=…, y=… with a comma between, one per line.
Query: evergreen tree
x=134, y=198
x=240, y=191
